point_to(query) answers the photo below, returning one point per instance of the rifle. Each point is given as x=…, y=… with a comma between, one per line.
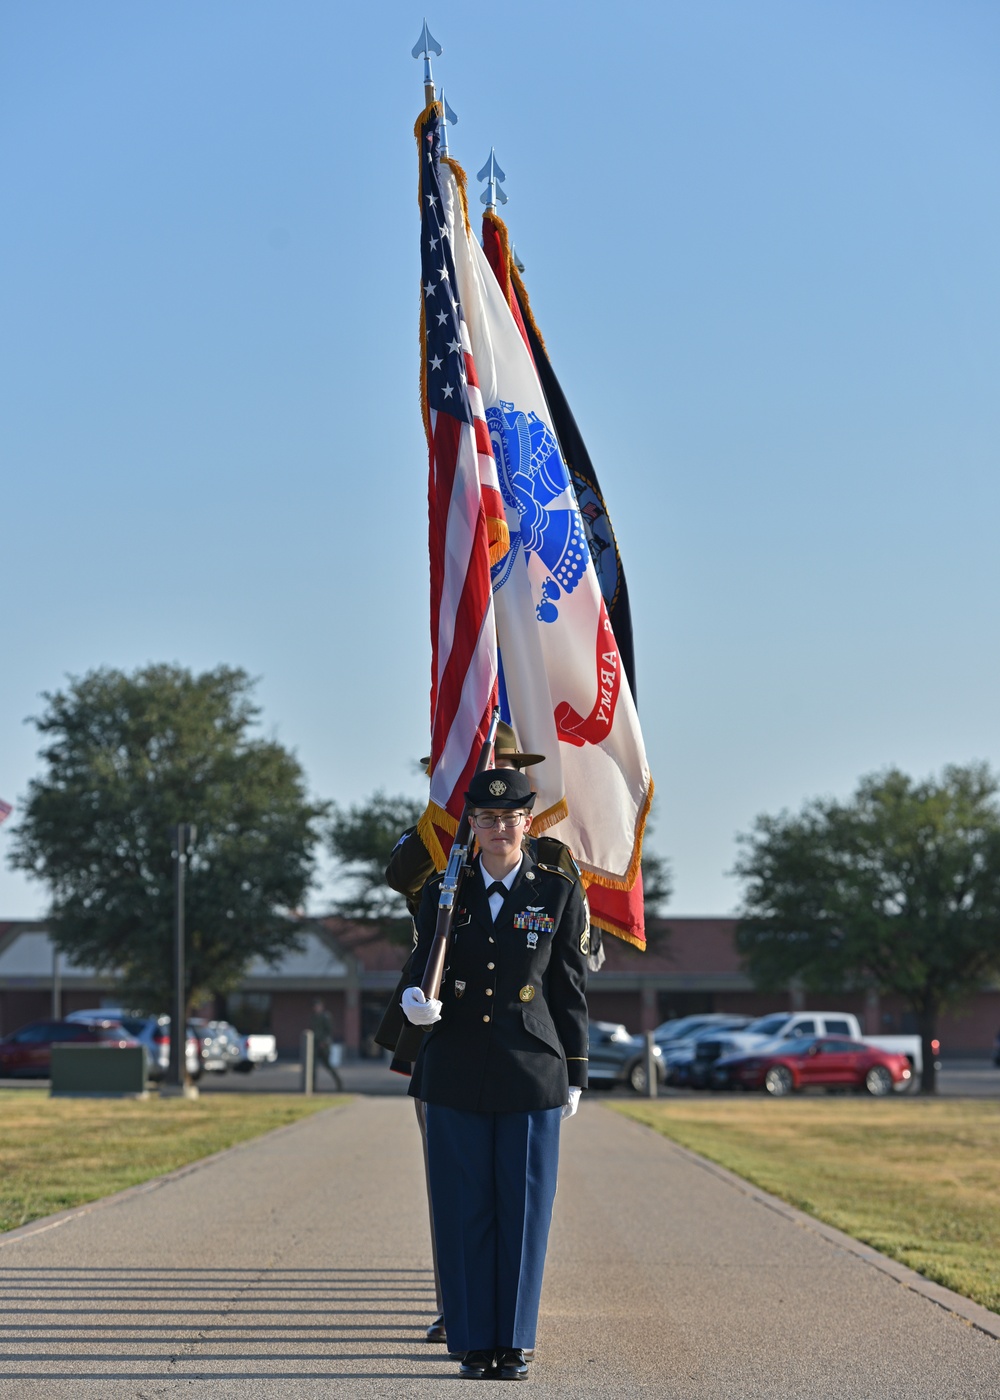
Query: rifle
x=458, y=864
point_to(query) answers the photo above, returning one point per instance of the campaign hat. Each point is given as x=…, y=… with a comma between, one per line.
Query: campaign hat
x=505, y=747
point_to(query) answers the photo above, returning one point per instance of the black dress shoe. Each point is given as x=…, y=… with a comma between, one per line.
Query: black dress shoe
x=476, y=1364
x=436, y=1332
x=511, y=1365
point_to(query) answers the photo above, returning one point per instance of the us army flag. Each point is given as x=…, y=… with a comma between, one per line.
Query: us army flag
x=561, y=675
x=617, y=911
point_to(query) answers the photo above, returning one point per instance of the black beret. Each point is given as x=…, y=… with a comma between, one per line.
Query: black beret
x=502, y=788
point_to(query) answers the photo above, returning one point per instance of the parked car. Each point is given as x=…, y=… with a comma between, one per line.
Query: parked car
x=783, y=1027
x=261, y=1049
x=153, y=1032
x=616, y=1057
x=28, y=1052
x=825, y=1061
x=680, y=1055
x=683, y=1027
x=691, y=1069
x=222, y=1047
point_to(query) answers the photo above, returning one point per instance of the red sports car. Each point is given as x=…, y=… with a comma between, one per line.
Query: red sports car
x=828, y=1061
x=29, y=1050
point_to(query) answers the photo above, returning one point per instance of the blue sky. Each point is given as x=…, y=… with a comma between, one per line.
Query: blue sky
x=760, y=239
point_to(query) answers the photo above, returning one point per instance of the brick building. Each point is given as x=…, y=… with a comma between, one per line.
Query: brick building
x=691, y=966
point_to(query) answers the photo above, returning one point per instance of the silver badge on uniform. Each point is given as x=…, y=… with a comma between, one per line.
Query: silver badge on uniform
x=459, y=988
x=532, y=940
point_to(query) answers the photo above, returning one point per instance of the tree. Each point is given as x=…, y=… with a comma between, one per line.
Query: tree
x=127, y=757
x=361, y=838
x=657, y=879
x=897, y=889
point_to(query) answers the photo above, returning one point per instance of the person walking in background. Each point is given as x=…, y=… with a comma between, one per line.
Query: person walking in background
x=322, y=1029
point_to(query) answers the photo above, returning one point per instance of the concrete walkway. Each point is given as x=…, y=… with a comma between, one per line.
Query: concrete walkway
x=297, y=1267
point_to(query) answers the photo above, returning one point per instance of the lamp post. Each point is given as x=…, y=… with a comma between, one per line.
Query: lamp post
x=183, y=837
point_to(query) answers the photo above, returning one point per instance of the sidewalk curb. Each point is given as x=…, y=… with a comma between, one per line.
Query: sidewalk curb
x=49, y=1222
x=964, y=1308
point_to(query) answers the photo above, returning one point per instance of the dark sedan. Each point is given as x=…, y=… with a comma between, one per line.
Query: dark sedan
x=829, y=1062
x=619, y=1058
x=28, y=1051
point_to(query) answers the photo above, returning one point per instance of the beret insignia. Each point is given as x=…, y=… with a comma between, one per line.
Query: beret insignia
x=498, y=787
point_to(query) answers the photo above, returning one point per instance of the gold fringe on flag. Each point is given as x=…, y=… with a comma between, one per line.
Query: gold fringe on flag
x=432, y=818
x=499, y=537
x=612, y=882
x=514, y=277
x=462, y=181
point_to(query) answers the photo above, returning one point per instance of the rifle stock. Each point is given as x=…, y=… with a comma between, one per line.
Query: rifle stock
x=458, y=864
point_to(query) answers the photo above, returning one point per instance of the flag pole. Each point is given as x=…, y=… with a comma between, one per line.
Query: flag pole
x=492, y=174
x=448, y=119
x=423, y=48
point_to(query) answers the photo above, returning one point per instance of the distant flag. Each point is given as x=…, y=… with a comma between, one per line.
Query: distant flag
x=562, y=681
x=467, y=523
x=616, y=909
x=5, y=810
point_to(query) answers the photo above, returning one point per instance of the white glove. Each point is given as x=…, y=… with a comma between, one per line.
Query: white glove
x=417, y=1009
x=574, y=1103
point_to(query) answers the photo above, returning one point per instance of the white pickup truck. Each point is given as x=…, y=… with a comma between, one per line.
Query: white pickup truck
x=794, y=1025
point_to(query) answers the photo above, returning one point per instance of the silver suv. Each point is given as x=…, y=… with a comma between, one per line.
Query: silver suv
x=153, y=1032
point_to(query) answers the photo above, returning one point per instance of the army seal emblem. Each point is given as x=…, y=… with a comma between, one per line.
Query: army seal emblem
x=498, y=787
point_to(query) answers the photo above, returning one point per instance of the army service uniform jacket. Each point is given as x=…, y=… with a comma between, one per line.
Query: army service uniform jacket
x=410, y=867
x=513, y=1031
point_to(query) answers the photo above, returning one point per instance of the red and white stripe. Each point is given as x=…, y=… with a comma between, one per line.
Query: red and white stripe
x=463, y=494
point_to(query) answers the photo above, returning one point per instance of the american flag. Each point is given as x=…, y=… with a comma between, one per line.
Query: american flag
x=5, y=810
x=468, y=528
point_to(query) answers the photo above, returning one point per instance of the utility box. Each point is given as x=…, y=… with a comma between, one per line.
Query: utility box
x=98, y=1071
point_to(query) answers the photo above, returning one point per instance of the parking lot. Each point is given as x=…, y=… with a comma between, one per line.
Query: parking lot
x=958, y=1079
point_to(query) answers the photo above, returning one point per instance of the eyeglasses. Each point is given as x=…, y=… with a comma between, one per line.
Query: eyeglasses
x=485, y=820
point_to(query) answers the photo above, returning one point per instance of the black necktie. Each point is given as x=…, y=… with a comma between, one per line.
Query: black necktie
x=497, y=887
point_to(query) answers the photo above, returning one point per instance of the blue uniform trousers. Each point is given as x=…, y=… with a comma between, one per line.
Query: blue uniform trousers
x=493, y=1181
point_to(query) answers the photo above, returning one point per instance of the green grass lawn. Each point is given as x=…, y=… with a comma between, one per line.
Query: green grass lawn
x=918, y=1179
x=58, y=1153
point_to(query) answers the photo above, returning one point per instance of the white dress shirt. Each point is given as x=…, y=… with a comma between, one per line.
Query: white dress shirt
x=496, y=900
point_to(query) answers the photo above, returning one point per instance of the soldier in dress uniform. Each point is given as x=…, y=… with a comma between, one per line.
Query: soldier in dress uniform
x=504, y=1060
x=410, y=867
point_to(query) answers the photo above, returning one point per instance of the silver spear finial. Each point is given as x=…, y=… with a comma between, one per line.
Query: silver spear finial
x=492, y=174
x=423, y=48
x=515, y=259
x=449, y=120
